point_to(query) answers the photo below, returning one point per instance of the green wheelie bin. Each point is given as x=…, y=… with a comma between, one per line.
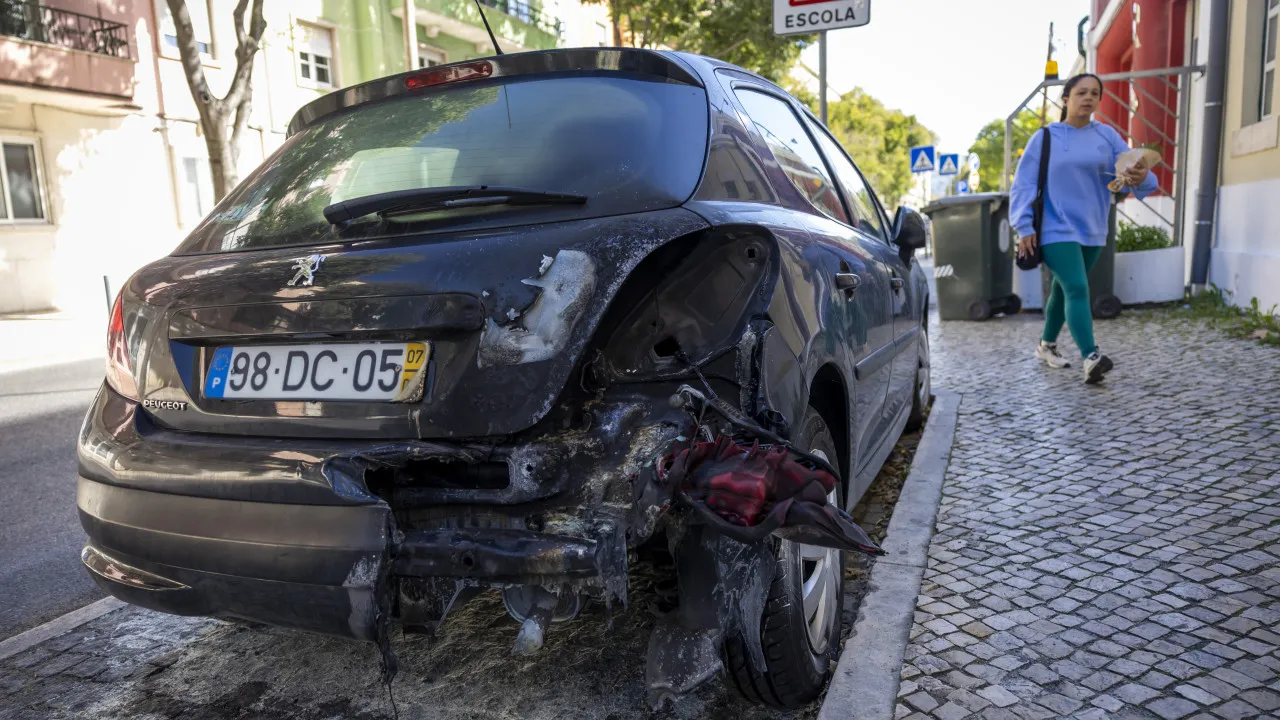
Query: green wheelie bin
x=973, y=256
x=1102, y=278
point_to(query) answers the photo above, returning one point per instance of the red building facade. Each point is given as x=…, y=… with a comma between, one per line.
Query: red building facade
x=1142, y=35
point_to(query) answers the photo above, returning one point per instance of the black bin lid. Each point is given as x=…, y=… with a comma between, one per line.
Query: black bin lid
x=971, y=199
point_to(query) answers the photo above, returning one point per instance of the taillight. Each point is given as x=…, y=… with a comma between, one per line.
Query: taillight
x=452, y=73
x=119, y=367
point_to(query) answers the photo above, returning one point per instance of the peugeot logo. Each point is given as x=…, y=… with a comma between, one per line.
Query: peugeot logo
x=306, y=268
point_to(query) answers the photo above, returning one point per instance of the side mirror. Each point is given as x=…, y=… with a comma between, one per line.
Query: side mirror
x=910, y=232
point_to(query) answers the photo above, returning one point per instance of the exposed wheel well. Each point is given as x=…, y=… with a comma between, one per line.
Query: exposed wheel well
x=827, y=395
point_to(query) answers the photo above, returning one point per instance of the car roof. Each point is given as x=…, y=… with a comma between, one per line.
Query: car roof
x=678, y=67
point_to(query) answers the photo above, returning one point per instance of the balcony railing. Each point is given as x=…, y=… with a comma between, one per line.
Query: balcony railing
x=532, y=14
x=32, y=21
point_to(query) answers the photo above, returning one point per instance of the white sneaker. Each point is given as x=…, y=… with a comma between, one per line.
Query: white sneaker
x=1048, y=352
x=1095, y=367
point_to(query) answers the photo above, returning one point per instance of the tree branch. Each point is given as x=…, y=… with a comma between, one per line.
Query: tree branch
x=246, y=47
x=189, y=52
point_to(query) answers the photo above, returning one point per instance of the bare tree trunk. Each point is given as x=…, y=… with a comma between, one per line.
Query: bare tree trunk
x=617, y=24
x=222, y=162
x=237, y=131
x=217, y=113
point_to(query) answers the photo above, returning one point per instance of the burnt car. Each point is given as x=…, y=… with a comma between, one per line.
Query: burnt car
x=520, y=323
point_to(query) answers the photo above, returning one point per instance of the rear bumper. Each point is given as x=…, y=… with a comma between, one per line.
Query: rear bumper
x=311, y=567
x=292, y=534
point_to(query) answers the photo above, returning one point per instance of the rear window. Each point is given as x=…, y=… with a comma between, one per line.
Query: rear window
x=629, y=145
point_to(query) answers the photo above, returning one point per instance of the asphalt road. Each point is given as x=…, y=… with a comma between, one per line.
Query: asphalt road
x=40, y=537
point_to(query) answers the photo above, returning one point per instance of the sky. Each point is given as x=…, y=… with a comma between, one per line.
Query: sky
x=955, y=64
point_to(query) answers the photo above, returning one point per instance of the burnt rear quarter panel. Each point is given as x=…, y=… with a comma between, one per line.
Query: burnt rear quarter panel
x=744, y=184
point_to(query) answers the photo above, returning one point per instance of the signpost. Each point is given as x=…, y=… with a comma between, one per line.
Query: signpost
x=802, y=17
x=974, y=163
x=922, y=159
x=949, y=165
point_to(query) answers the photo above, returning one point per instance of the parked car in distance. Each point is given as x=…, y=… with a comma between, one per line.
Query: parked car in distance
x=452, y=334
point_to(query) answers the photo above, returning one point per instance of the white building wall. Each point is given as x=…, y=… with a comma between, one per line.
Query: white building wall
x=116, y=181
x=584, y=25
x=1246, y=254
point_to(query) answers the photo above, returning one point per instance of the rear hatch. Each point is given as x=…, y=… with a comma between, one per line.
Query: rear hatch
x=429, y=319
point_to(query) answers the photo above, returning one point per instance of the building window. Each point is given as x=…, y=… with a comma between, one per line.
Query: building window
x=1269, y=42
x=315, y=56
x=200, y=25
x=21, y=196
x=431, y=57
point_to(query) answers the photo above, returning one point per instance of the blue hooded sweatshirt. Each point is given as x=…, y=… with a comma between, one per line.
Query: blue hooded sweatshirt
x=1081, y=163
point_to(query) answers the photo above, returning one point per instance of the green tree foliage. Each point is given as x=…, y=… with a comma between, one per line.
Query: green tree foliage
x=741, y=32
x=736, y=31
x=877, y=138
x=989, y=147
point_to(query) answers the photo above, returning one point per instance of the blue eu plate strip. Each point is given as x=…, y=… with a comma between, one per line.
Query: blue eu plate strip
x=216, y=382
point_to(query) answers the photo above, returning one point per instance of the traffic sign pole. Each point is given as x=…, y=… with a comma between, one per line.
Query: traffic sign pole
x=822, y=75
x=804, y=17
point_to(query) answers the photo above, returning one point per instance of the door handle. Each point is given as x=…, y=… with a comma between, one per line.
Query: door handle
x=848, y=282
x=896, y=283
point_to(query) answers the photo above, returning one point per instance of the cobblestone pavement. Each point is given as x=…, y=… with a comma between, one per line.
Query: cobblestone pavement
x=1104, y=551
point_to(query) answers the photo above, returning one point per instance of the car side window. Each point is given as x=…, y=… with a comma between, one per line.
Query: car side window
x=856, y=192
x=793, y=150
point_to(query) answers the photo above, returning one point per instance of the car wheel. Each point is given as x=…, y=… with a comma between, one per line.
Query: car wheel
x=923, y=390
x=800, y=629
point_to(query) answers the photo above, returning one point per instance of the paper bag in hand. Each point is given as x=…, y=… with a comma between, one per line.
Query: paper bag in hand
x=1135, y=159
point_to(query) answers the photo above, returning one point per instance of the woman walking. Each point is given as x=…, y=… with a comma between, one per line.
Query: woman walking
x=1082, y=160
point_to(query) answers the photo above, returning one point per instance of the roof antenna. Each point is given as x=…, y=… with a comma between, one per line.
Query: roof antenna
x=492, y=39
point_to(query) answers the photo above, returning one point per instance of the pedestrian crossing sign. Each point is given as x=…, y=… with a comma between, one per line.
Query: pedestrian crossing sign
x=949, y=165
x=922, y=159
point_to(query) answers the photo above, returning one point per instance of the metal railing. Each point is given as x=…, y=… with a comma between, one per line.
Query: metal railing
x=532, y=14
x=40, y=23
x=1137, y=86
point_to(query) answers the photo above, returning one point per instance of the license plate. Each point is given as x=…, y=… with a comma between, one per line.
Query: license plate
x=330, y=371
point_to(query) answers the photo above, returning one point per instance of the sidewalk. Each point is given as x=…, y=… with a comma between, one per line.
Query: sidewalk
x=32, y=340
x=1109, y=551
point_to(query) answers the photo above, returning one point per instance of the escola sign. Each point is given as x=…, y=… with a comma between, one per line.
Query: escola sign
x=799, y=17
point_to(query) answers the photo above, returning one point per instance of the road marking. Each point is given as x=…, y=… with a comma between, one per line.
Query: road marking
x=57, y=626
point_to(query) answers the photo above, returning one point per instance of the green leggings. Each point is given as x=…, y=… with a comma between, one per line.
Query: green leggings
x=1070, y=263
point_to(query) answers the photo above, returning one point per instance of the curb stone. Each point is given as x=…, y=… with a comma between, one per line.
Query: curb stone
x=869, y=672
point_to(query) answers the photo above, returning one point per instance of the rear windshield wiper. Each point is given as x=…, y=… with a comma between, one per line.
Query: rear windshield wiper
x=443, y=197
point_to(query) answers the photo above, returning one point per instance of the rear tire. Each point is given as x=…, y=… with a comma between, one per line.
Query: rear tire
x=1012, y=305
x=922, y=392
x=979, y=310
x=797, y=664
